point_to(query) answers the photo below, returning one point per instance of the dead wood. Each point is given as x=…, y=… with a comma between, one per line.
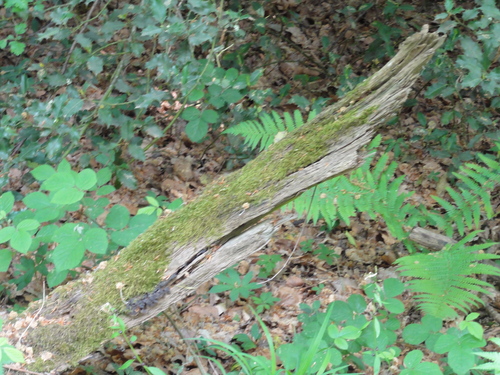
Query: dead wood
x=220, y=227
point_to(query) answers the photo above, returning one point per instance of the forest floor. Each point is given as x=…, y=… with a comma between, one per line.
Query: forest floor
x=178, y=168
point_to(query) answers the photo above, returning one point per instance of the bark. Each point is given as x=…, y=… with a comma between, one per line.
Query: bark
x=222, y=226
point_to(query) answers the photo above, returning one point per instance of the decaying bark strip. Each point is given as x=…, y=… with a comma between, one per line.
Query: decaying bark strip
x=220, y=227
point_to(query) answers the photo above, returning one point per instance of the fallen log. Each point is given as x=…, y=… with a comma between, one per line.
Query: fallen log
x=219, y=228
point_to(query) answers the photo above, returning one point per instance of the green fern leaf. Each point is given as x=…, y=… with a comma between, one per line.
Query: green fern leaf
x=445, y=280
x=262, y=133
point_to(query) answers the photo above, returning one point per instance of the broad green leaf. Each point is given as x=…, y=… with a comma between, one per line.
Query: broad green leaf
x=86, y=179
x=6, y=234
x=393, y=287
x=155, y=370
x=37, y=200
x=48, y=214
x=159, y=10
x=127, y=179
x=12, y=354
x=72, y=107
x=67, y=255
x=394, y=305
x=136, y=152
x=65, y=167
x=59, y=181
x=45, y=234
x=21, y=241
x=28, y=225
x=105, y=190
x=138, y=224
x=69, y=233
x=5, y=259
x=43, y=172
x=118, y=217
x=196, y=95
x=196, y=130
x=67, y=196
x=7, y=202
x=55, y=278
x=413, y=358
x=96, y=240
x=103, y=176
x=210, y=116
x=232, y=96
x=191, y=113
x=16, y=47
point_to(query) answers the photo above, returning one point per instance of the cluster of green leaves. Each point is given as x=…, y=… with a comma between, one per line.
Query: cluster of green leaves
x=269, y=129
x=471, y=201
x=47, y=220
x=375, y=191
x=115, y=62
x=467, y=78
x=445, y=279
x=349, y=333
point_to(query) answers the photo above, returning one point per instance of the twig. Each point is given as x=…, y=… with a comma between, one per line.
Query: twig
x=12, y=368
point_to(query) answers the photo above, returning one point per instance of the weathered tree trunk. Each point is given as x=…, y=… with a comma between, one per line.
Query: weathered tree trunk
x=220, y=227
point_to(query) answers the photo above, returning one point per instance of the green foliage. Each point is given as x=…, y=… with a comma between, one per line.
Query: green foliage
x=492, y=356
x=465, y=72
x=231, y=280
x=375, y=191
x=472, y=201
x=367, y=190
x=111, y=72
x=322, y=251
x=8, y=353
x=267, y=264
x=270, y=129
x=444, y=279
x=264, y=302
x=119, y=329
x=48, y=221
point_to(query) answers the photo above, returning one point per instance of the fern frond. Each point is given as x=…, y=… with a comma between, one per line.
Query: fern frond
x=263, y=132
x=445, y=280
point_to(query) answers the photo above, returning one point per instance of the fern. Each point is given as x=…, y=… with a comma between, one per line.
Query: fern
x=365, y=190
x=471, y=201
x=269, y=129
x=444, y=279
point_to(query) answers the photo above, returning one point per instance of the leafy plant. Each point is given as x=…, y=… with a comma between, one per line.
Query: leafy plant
x=47, y=221
x=231, y=280
x=445, y=279
x=270, y=129
x=267, y=264
x=264, y=302
x=472, y=200
x=120, y=329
